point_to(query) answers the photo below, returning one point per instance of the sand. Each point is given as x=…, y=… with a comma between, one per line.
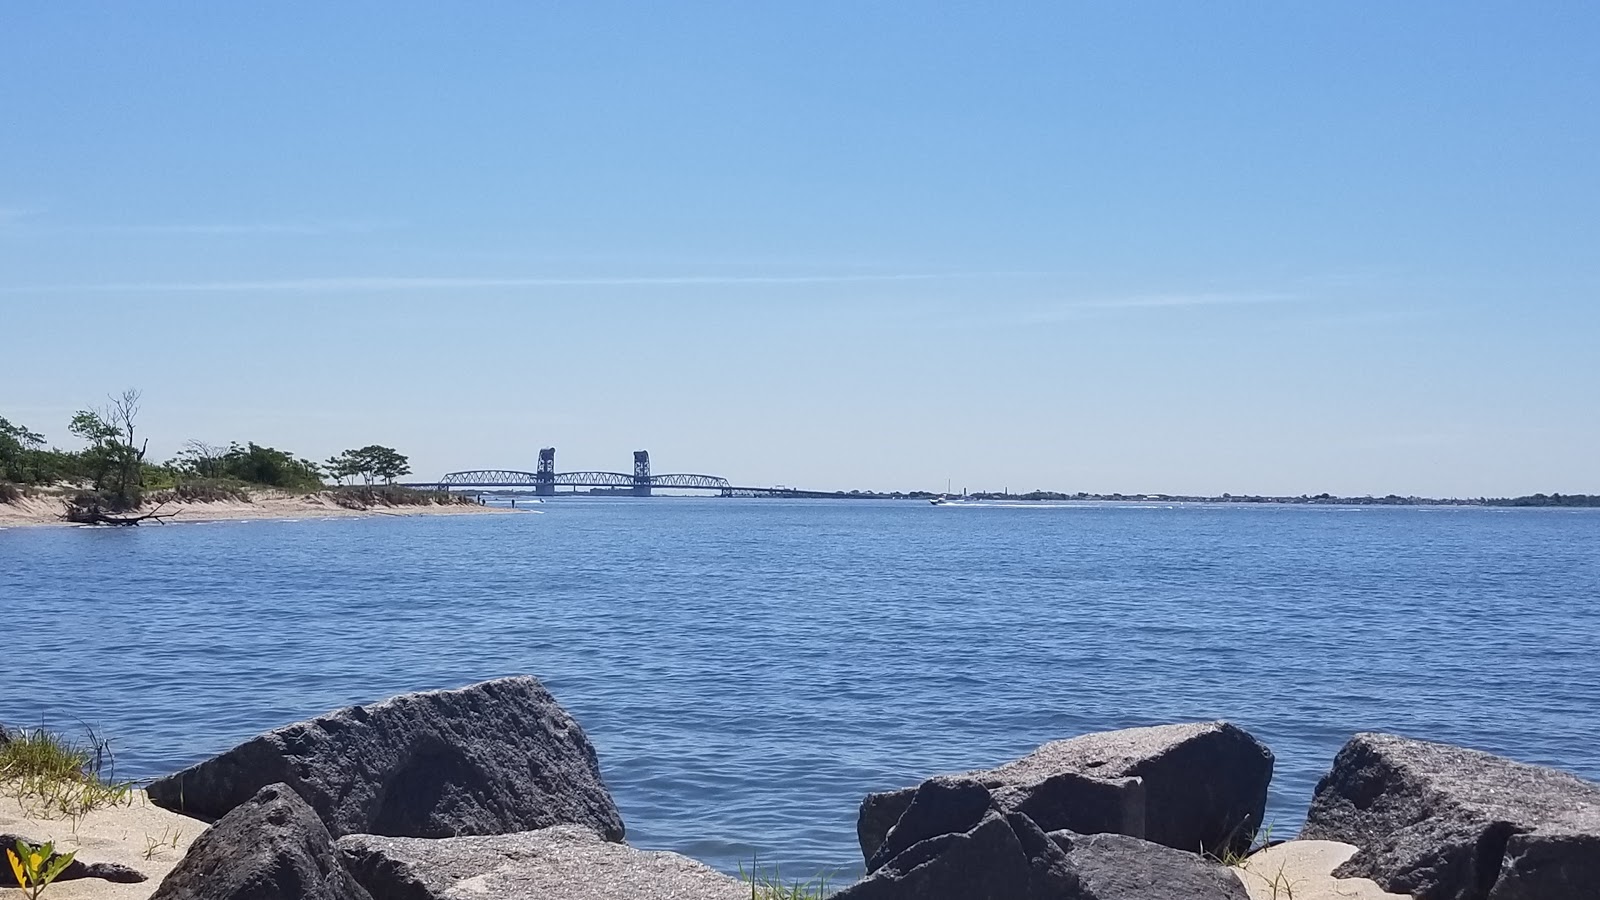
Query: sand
x=1303, y=870
x=46, y=510
x=137, y=834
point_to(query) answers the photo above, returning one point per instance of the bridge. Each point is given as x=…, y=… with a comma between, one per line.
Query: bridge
x=640, y=483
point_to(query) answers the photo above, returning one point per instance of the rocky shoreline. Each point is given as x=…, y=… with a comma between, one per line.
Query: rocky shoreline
x=493, y=790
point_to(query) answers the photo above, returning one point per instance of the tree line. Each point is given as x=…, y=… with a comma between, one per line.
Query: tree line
x=113, y=470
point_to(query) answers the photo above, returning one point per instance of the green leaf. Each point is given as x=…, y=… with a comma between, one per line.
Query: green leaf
x=56, y=866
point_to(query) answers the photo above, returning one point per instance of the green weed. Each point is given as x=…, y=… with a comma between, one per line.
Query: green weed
x=167, y=841
x=771, y=886
x=52, y=776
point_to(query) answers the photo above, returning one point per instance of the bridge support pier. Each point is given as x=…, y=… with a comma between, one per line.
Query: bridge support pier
x=641, y=473
x=544, y=478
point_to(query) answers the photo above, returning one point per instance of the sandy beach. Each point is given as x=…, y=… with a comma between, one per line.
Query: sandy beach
x=47, y=509
x=135, y=833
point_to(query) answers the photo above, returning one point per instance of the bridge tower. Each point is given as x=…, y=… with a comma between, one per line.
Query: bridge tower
x=641, y=473
x=544, y=478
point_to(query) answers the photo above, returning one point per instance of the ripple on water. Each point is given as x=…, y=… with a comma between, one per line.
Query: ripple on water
x=748, y=670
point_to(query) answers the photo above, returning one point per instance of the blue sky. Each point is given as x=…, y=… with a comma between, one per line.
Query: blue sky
x=1247, y=247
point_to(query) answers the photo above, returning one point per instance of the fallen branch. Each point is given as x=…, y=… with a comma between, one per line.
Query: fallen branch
x=94, y=515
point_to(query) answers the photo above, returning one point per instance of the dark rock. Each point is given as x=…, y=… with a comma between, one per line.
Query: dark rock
x=985, y=855
x=271, y=847
x=497, y=757
x=939, y=807
x=1446, y=823
x=113, y=872
x=1192, y=787
x=567, y=862
x=1118, y=867
x=117, y=873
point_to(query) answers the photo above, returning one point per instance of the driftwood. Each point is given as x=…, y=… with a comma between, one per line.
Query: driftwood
x=92, y=514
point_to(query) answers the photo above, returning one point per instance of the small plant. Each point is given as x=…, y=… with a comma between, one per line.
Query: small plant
x=1281, y=886
x=168, y=840
x=35, y=867
x=771, y=886
x=1235, y=858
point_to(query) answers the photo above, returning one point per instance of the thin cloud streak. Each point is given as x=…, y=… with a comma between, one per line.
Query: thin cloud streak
x=1081, y=308
x=1022, y=314
x=409, y=283
x=1152, y=301
x=18, y=224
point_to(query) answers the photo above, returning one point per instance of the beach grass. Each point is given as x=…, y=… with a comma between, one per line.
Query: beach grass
x=770, y=885
x=51, y=775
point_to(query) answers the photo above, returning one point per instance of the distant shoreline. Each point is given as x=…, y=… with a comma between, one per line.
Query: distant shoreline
x=1561, y=501
x=45, y=509
x=1573, y=501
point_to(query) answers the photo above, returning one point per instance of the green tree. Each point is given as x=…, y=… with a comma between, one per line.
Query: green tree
x=251, y=463
x=342, y=466
x=111, y=461
x=387, y=463
x=20, y=452
x=269, y=466
x=372, y=462
x=199, y=459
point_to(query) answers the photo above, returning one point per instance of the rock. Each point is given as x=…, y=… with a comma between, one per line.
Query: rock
x=1304, y=870
x=989, y=854
x=1118, y=867
x=271, y=847
x=939, y=807
x=1192, y=787
x=105, y=871
x=1446, y=823
x=566, y=862
x=497, y=757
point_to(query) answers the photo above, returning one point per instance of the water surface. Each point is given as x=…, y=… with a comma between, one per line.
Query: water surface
x=749, y=668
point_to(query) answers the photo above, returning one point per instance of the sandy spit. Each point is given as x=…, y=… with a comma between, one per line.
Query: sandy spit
x=46, y=510
x=137, y=833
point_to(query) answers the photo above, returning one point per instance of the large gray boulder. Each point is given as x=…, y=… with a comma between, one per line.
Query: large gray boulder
x=271, y=847
x=493, y=758
x=1194, y=787
x=1118, y=867
x=566, y=862
x=952, y=843
x=1446, y=823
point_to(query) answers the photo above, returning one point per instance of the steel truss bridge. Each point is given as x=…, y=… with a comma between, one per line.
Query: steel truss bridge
x=545, y=480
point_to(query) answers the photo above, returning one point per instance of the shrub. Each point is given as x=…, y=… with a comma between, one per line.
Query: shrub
x=203, y=490
x=88, y=506
x=9, y=493
x=390, y=495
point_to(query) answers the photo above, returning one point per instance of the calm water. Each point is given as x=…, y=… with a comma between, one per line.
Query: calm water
x=748, y=669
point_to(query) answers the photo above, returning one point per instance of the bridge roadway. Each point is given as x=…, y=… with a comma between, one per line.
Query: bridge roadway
x=545, y=484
